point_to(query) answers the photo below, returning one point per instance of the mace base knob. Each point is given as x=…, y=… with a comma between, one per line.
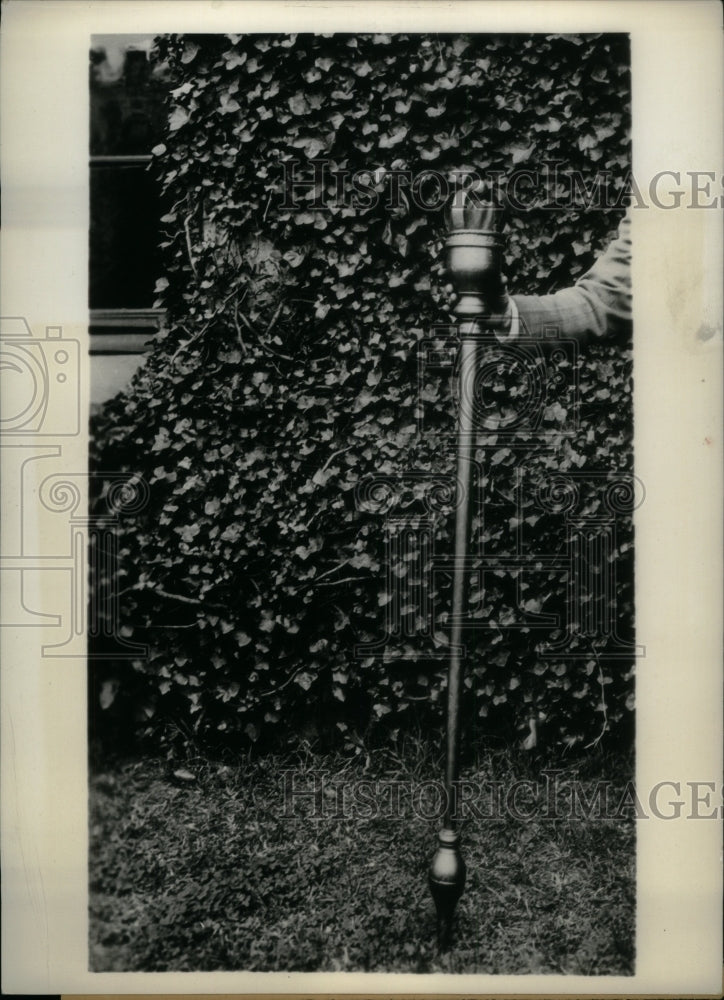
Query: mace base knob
x=447, y=881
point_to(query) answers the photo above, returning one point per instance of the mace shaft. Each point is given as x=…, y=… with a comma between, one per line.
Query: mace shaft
x=474, y=250
x=461, y=575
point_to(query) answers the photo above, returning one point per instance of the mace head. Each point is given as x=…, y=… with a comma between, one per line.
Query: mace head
x=474, y=246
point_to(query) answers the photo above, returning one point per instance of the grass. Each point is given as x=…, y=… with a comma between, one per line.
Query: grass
x=204, y=872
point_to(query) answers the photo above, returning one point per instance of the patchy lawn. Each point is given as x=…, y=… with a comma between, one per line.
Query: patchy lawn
x=202, y=870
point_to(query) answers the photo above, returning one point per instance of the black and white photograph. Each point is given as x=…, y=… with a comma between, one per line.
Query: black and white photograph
x=347, y=416
x=358, y=564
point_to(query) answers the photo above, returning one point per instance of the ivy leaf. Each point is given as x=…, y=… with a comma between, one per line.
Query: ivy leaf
x=229, y=104
x=293, y=258
x=311, y=145
x=109, y=690
x=178, y=118
x=191, y=50
x=394, y=138
x=500, y=456
x=298, y=104
x=521, y=153
x=234, y=60
x=363, y=400
x=189, y=532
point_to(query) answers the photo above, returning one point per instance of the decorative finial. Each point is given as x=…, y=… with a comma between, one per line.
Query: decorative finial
x=474, y=247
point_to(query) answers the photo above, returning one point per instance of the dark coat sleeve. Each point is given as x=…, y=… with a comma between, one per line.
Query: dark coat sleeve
x=598, y=304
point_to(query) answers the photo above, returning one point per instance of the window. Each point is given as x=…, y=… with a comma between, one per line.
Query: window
x=127, y=114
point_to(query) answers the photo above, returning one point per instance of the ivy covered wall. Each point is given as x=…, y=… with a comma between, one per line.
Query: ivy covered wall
x=303, y=177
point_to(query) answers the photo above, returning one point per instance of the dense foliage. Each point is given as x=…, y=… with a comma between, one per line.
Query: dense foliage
x=289, y=373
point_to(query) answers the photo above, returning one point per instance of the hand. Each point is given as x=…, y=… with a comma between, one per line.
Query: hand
x=474, y=258
x=498, y=313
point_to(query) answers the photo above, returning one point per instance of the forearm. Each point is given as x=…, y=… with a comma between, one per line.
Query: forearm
x=598, y=304
x=572, y=312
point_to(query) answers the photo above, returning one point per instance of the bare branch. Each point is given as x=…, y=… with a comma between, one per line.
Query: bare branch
x=273, y=320
x=242, y=345
x=192, y=259
x=346, y=579
x=334, y=455
x=281, y=687
x=321, y=576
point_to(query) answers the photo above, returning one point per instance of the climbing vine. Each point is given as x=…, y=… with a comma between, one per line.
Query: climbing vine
x=303, y=178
